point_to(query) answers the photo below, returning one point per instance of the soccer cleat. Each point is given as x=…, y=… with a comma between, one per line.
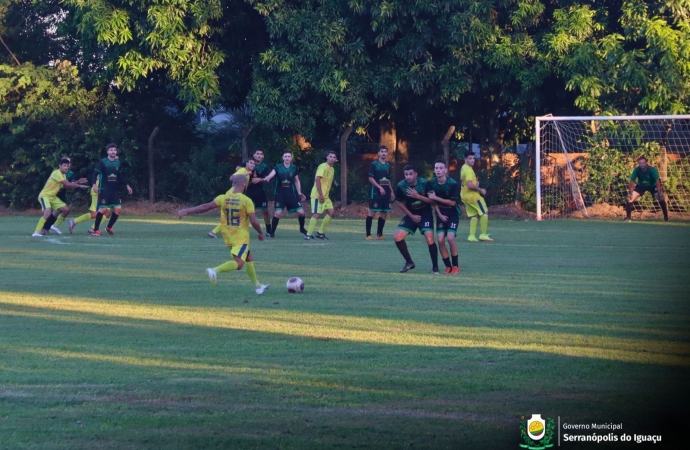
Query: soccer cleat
x=44, y=232
x=109, y=230
x=455, y=270
x=321, y=236
x=626, y=220
x=271, y=235
x=368, y=238
x=37, y=235
x=308, y=238
x=95, y=232
x=472, y=239
x=55, y=229
x=485, y=238
x=380, y=238
x=211, y=234
x=71, y=226
x=407, y=267
x=262, y=288
x=435, y=271
x=665, y=219
x=447, y=271
x=212, y=276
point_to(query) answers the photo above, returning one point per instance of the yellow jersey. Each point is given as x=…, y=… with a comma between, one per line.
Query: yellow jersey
x=53, y=184
x=466, y=194
x=326, y=173
x=246, y=173
x=234, y=217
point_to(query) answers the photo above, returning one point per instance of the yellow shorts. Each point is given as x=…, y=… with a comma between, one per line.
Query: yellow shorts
x=241, y=251
x=477, y=208
x=318, y=208
x=94, y=202
x=53, y=203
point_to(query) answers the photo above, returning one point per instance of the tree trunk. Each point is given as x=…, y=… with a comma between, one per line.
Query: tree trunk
x=343, y=167
x=446, y=145
x=152, y=176
x=245, y=136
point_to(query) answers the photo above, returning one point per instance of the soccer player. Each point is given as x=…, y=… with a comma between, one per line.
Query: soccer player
x=381, y=193
x=236, y=212
x=288, y=193
x=255, y=190
x=417, y=208
x=50, y=203
x=107, y=181
x=647, y=178
x=246, y=169
x=445, y=191
x=471, y=195
x=93, y=212
x=62, y=195
x=320, y=201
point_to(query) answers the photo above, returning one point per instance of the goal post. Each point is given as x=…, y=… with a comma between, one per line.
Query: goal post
x=584, y=163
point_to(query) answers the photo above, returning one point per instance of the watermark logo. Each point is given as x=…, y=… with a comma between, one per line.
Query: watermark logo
x=537, y=433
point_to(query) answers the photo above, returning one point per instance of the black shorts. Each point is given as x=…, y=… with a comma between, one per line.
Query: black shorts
x=380, y=204
x=424, y=225
x=108, y=199
x=641, y=190
x=260, y=200
x=451, y=226
x=289, y=202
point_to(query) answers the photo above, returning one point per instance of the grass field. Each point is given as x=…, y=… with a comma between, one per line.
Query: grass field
x=121, y=342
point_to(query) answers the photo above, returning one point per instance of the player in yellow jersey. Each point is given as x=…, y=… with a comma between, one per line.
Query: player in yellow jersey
x=320, y=201
x=93, y=212
x=471, y=195
x=50, y=203
x=246, y=169
x=236, y=212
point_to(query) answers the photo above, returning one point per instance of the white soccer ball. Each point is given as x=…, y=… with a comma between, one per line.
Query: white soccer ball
x=295, y=285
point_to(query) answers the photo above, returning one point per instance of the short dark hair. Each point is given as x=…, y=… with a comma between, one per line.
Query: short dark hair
x=331, y=151
x=383, y=147
x=410, y=167
x=109, y=146
x=287, y=151
x=244, y=163
x=641, y=157
x=258, y=150
x=441, y=161
x=469, y=153
x=65, y=160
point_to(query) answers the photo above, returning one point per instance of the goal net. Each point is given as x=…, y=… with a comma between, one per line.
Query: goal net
x=584, y=163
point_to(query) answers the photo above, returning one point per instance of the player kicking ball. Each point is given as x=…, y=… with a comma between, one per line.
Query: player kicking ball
x=236, y=212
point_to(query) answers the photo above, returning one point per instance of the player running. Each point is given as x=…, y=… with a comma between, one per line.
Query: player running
x=107, y=181
x=288, y=193
x=320, y=200
x=647, y=178
x=471, y=195
x=381, y=193
x=417, y=208
x=236, y=212
x=445, y=191
x=50, y=203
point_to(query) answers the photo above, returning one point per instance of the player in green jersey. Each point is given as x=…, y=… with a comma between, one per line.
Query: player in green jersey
x=288, y=193
x=445, y=191
x=107, y=180
x=320, y=201
x=255, y=190
x=645, y=178
x=236, y=213
x=471, y=195
x=410, y=192
x=381, y=194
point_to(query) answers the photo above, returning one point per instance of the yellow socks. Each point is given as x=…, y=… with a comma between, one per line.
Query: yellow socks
x=312, y=225
x=324, y=223
x=217, y=229
x=473, y=226
x=83, y=218
x=41, y=222
x=227, y=267
x=484, y=223
x=59, y=220
x=251, y=271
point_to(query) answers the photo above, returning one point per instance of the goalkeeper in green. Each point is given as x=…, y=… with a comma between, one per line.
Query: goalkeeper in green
x=644, y=178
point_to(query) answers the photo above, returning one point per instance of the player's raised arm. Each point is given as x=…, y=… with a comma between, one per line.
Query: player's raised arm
x=197, y=209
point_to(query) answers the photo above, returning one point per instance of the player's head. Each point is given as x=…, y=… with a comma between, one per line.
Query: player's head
x=249, y=164
x=238, y=182
x=410, y=173
x=111, y=150
x=258, y=155
x=440, y=169
x=331, y=158
x=287, y=157
x=469, y=158
x=383, y=152
x=65, y=163
x=642, y=161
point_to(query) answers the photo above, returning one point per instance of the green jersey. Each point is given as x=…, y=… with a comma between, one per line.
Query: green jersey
x=415, y=206
x=450, y=190
x=285, y=180
x=109, y=177
x=260, y=170
x=381, y=173
x=645, y=178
